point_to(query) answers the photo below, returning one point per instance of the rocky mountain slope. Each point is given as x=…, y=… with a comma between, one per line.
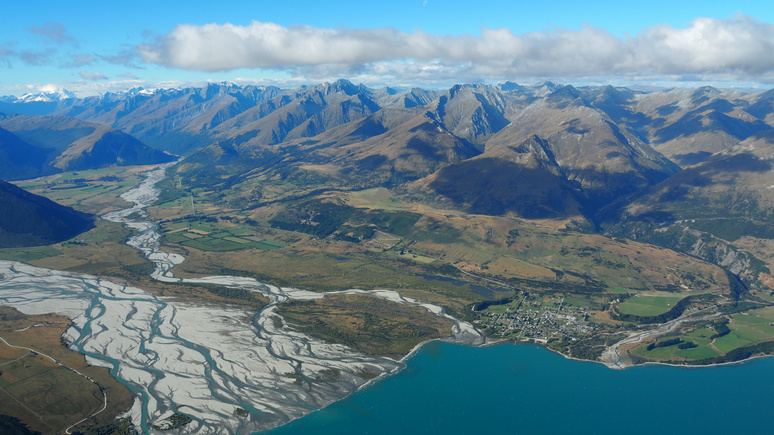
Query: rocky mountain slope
x=718, y=210
x=684, y=125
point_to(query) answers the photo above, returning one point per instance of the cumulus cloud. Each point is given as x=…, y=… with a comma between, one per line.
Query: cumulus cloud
x=52, y=32
x=740, y=46
x=92, y=76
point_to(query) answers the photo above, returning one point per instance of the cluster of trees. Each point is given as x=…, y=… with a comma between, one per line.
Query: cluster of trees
x=664, y=343
x=121, y=426
x=721, y=329
x=739, y=354
x=589, y=348
x=671, y=342
x=315, y=217
x=176, y=420
x=234, y=294
x=479, y=306
x=322, y=218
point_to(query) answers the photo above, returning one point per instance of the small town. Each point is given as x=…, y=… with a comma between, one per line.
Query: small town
x=536, y=318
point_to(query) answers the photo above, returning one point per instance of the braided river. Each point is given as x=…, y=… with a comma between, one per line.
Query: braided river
x=209, y=362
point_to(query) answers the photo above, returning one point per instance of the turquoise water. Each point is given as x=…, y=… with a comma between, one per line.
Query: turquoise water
x=525, y=389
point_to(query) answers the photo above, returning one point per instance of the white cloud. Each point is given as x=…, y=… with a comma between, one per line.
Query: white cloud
x=740, y=47
x=92, y=76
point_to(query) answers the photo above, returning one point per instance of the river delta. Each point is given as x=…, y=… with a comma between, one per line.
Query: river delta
x=230, y=370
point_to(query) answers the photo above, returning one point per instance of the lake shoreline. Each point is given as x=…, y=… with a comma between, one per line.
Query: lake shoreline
x=622, y=366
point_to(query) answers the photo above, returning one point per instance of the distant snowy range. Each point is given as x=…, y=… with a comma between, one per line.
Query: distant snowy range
x=209, y=362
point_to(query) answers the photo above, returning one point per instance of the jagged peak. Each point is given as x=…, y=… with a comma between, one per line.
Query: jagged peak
x=464, y=89
x=341, y=85
x=212, y=89
x=454, y=90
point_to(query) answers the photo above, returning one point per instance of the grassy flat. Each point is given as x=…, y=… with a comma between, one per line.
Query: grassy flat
x=94, y=191
x=649, y=305
x=365, y=323
x=697, y=353
x=45, y=396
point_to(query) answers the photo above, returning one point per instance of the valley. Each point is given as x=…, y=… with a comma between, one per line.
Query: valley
x=325, y=232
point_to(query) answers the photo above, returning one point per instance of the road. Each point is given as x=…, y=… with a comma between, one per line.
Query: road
x=104, y=395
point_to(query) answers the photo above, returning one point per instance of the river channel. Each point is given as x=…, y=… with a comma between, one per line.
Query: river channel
x=230, y=370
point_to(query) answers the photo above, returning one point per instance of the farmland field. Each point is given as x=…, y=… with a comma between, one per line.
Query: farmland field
x=649, y=304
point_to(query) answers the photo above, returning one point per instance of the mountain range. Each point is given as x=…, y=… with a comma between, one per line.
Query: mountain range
x=605, y=159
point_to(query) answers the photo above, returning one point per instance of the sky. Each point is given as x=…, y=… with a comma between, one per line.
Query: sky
x=91, y=47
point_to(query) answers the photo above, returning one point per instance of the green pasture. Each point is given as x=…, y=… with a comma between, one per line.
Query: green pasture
x=659, y=353
x=648, y=305
x=218, y=239
x=701, y=352
x=576, y=302
x=700, y=337
x=28, y=254
x=89, y=191
x=747, y=329
x=181, y=202
x=505, y=308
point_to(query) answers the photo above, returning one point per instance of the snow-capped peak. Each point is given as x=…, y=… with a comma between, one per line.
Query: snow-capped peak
x=139, y=91
x=57, y=95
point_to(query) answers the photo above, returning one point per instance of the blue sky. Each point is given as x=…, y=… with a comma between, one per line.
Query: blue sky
x=103, y=46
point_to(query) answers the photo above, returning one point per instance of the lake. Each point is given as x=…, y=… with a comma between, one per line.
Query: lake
x=526, y=389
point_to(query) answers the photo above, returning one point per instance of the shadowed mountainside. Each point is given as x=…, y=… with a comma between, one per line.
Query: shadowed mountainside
x=31, y=220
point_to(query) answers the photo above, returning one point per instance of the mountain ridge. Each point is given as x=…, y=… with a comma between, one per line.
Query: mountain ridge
x=49, y=144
